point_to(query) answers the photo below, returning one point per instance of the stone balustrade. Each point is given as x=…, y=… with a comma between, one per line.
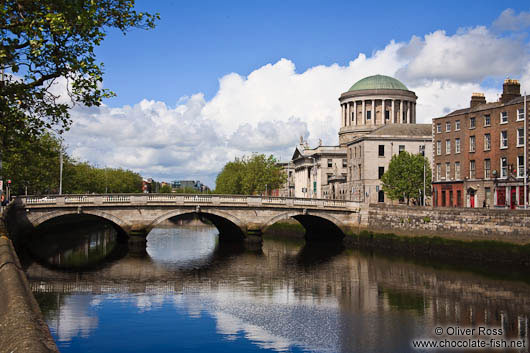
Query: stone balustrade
x=182, y=199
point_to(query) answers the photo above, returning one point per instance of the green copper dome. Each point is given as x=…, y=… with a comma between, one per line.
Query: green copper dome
x=378, y=82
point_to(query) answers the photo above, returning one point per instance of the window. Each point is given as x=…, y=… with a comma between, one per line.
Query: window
x=471, y=143
x=438, y=171
x=438, y=128
x=520, y=137
x=438, y=148
x=457, y=145
x=520, y=166
x=401, y=148
x=368, y=115
x=520, y=114
x=504, y=117
x=330, y=163
x=457, y=125
x=457, y=170
x=504, y=167
x=448, y=126
x=447, y=146
x=381, y=150
x=381, y=172
x=504, y=139
x=344, y=163
x=487, y=120
x=472, y=169
x=471, y=123
x=458, y=198
x=487, y=142
x=447, y=171
x=487, y=168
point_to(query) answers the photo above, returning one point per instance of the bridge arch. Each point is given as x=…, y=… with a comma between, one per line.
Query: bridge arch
x=109, y=217
x=318, y=226
x=229, y=226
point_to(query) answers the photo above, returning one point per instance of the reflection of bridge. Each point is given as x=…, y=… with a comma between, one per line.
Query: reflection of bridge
x=235, y=216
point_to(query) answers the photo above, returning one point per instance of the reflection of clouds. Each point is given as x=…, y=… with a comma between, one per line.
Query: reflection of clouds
x=181, y=247
x=276, y=321
x=72, y=318
x=230, y=325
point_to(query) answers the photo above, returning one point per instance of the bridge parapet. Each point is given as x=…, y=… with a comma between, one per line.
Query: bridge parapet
x=184, y=199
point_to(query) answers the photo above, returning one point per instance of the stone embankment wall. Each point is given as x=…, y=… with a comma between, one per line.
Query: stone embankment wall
x=22, y=327
x=511, y=226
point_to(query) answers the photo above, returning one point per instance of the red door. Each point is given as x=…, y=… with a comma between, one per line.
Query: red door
x=472, y=200
x=512, y=198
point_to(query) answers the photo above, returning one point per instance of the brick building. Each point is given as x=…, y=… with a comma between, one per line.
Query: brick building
x=479, y=153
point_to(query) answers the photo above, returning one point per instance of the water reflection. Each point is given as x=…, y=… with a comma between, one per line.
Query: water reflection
x=193, y=293
x=55, y=246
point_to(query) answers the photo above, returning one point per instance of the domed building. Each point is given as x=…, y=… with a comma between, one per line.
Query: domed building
x=375, y=101
x=378, y=120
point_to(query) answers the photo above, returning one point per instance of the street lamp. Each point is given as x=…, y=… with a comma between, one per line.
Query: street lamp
x=422, y=151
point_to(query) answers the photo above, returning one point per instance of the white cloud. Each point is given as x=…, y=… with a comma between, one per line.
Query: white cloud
x=509, y=21
x=470, y=55
x=268, y=110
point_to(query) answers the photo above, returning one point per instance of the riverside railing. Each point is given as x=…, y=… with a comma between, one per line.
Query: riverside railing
x=105, y=200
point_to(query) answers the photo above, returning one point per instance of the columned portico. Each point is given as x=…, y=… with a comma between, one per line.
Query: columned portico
x=369, y=93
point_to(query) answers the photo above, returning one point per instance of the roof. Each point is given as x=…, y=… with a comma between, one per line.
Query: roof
x=403, y=130
x=485, y=106
x=302, y=151
x=378, y=82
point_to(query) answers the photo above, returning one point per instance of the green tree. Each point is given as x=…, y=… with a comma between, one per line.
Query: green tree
x=250, y=175
x=404, y=177
x=45, y=41
x=34, y=166
x=165, y=189
x=230, y=179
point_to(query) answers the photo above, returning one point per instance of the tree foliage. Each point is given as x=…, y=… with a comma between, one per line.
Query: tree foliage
x=46, y=41
x=404, y=177
x=34, y=168
x=250, y=175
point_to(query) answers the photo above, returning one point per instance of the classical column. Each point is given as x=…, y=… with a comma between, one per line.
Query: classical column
x=414, y=113
x=343, y=115
x=346, y=113
x=383, y=111
x=355, y=122
x=364, y=112
x=400, y=120
x=373, y=111
x=408, y=112
x=393, y=112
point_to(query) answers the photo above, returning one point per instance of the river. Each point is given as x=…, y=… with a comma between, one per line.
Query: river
x=187, y=292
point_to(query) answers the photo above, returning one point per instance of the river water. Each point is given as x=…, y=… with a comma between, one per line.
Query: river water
x=187, y=292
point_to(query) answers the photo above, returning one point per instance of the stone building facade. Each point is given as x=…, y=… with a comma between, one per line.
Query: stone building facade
x=369, y=156
x=315, y=167
x=376, y=111
x=479, y=158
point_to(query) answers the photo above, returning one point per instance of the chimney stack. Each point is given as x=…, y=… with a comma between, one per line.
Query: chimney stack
x=510, y=89
x=477, y=99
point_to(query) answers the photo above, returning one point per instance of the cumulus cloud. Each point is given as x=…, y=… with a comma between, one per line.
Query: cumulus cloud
x=268, y=110
x=467, y=56
x=509, y=21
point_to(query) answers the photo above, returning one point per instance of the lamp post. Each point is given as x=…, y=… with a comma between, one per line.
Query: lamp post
x=422, y=151
x=525, y=154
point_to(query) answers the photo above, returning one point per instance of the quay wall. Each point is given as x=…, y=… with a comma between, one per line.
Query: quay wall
x=511, y=226
x=22, y=326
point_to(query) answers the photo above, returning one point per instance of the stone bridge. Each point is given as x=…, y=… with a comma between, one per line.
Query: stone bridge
x=236, y=217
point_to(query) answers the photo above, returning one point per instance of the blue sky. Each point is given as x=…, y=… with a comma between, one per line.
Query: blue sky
x=197, y=42
x=217, y=80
